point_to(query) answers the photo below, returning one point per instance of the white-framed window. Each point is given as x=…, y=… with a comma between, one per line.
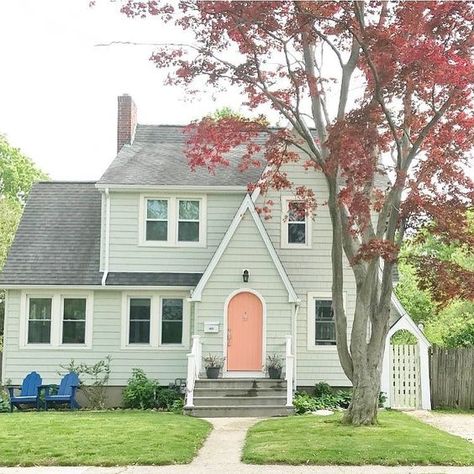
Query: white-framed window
x=151, y=321
x=172, y=320
x=295, y=224
x=174, y=221
x=188, y=220
x=39, y=320
x=56, y=320
x=74, y=317
x=157, y=228
x=139, y=318
x=321, y=327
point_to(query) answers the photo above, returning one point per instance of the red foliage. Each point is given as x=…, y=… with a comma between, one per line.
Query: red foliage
x=414, y=71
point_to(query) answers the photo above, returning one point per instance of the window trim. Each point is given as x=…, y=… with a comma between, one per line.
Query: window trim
x=155, y=321
x=57, y=308
x=284, y=244
x=311, y=323
x=173, y=220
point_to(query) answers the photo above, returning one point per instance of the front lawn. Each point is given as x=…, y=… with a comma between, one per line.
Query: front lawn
x=106, y=438
x=310, y=439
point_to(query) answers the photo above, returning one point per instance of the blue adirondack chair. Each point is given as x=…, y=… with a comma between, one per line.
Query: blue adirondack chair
x=29, y=394
x=66, y=392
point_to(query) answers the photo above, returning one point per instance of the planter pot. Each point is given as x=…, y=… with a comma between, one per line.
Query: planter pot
x=213, y=372
x=274, y=372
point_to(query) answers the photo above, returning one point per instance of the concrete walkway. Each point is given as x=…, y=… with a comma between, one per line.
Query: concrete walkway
x=459, y=424
x=221, y=455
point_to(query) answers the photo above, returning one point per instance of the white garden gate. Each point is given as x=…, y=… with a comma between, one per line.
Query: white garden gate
x=405, y=376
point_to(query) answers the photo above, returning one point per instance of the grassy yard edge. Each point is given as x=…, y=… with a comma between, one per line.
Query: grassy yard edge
x=101, y=438
x=249, y=456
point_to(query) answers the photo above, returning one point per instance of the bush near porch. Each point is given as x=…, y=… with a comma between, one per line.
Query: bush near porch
x=105, y=438
x=397, y=440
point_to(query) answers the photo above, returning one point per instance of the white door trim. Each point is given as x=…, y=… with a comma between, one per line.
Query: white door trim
x=225, y=372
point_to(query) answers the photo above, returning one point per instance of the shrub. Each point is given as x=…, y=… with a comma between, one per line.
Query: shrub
x=304, y=403
x=98, y=375
x=165, y=398
x=4, y=400
x=321, y=389
x=178, y=406
x=140, y=391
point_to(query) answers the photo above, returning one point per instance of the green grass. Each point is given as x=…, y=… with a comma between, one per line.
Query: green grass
x=99, y=438
x=397, y=440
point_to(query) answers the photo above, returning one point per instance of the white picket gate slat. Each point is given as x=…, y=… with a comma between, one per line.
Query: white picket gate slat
x=405, y=368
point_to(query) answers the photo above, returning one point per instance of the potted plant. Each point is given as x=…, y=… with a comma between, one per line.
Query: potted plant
x=213, y=365
x=274, y=366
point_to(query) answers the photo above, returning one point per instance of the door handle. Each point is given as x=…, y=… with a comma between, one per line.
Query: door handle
x=229, y=337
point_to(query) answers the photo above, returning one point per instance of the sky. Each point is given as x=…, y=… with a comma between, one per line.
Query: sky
x=58, y=89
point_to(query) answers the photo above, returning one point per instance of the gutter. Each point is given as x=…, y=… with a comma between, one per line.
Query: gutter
x=107, y=236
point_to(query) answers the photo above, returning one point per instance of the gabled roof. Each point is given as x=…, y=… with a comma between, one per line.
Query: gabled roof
x=156, y=157
x=247, y=205
x=58, y=239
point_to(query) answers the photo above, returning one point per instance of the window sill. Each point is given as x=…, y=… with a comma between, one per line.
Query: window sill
x=62, y=347
x=317, y=348
x=168, y=244
x=296, y=246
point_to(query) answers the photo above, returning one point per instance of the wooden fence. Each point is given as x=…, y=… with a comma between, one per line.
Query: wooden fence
x=452, y=377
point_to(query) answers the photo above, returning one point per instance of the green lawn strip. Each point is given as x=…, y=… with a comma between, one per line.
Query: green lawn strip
x=397, y=440
x=99, y=438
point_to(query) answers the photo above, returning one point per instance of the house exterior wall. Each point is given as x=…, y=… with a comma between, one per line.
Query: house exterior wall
x=309, y=270
x=126, y=255
x=246, y=250
x=162, y=364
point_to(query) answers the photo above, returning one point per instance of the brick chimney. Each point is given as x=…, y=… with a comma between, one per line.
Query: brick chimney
x=126, y=121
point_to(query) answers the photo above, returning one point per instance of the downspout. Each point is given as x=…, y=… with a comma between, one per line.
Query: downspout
x=107, y=236
x=295, y=343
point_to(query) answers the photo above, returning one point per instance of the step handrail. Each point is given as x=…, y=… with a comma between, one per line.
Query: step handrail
x=289, y=369
x=194, y=368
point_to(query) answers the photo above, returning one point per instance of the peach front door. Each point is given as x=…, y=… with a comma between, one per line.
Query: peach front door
x=244, y=333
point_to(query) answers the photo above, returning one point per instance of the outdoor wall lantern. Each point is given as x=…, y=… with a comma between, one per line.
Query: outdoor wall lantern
x=245, y=276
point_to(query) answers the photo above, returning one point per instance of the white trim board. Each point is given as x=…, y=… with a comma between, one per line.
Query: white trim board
x=247, y=205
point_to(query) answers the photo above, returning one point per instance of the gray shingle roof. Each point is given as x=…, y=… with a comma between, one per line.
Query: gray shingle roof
x=153, y=279
x=58, y=238
x=156, y=157
x=58, y=242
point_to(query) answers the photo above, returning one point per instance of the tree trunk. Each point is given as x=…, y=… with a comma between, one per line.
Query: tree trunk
x=365, y=398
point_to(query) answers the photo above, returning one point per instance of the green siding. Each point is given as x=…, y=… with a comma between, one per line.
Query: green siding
x=162, y=364
x=246, y=250
x=309, y=270
x=127, y=256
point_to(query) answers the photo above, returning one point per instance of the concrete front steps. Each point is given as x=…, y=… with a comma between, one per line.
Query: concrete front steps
x=239, y=398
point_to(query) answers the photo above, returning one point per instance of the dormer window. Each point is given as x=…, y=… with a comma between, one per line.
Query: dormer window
x=295, y=224
x=173, y=221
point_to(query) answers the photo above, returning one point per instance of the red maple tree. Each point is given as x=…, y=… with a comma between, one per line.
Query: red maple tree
x=378, y=98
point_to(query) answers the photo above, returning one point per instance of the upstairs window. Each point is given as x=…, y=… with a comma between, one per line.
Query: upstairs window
x=39, y=320
x=157, y=220
x=173, y=221
x=139, y=321
x=295, y=224
x=188, y=221
x=325, y=326
x=74, y=320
